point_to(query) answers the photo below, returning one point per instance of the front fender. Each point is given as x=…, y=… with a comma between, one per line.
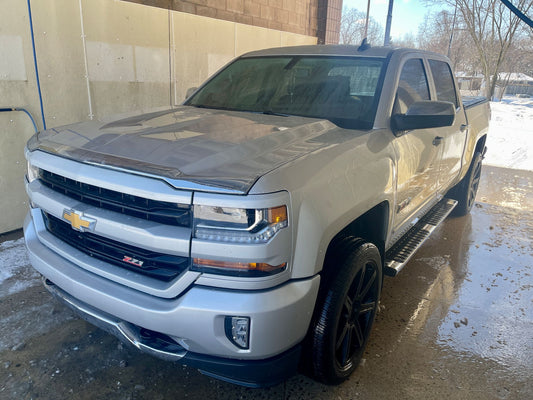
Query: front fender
x=331, y=188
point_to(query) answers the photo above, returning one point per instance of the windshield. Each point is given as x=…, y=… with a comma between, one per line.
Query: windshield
x=340, y=89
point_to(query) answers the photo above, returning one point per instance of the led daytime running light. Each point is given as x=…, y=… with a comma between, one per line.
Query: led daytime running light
x=273, y=220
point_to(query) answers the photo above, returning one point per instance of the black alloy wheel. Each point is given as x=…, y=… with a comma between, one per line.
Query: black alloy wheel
x=357, y=315
x=346, y=308
x=474, y=183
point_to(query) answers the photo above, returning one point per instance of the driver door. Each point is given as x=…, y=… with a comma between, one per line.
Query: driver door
x=417, y=156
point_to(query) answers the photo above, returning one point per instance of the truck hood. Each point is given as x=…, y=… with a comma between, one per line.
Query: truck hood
x=213, y=149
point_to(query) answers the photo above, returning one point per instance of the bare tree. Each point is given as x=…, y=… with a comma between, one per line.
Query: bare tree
x=353, y=28
x=521, y=56
x=492, y=28
x=408, y=40
x=439, y=34
x=519, y=60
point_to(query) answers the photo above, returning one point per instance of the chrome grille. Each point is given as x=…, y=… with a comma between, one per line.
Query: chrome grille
x=152, y=210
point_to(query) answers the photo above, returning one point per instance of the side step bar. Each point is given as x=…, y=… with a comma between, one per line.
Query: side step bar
x=402, y=251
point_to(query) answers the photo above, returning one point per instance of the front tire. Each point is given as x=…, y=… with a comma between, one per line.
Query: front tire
x=345, y=311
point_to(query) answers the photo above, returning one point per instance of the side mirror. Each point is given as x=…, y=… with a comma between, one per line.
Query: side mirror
x=423, y=115
x=190, y=92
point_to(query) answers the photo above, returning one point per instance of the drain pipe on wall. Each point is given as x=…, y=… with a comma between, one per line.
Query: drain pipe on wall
x=83, y=36
x=21, y=109
x=36, y=73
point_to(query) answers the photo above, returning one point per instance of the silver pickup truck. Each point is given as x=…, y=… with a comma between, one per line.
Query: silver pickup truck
x=246, y=233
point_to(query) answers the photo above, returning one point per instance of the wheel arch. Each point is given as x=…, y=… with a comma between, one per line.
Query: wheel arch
x=372, y=227
x=480, y=145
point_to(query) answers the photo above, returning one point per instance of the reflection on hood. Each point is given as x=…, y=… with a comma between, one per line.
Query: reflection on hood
x=224, y=149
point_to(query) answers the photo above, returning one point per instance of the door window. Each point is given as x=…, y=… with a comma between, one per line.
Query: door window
x=443, y=79
x=413, y=86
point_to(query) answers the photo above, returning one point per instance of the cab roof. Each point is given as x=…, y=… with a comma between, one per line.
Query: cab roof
x=323, y=50
x=339, y=50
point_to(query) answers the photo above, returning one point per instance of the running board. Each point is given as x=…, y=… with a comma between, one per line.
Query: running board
x=402, y=251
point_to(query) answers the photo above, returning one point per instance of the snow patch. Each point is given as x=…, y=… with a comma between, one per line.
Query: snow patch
x=16, y=272
x=510, y=138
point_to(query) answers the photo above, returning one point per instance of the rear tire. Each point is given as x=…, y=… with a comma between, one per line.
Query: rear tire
x=345, y=310
x=465, y=191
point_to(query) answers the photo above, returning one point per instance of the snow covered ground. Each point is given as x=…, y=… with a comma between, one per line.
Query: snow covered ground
x=510, y=139
x=16, y=274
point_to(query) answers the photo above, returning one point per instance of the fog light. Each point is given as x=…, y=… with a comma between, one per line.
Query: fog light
x=238, y=331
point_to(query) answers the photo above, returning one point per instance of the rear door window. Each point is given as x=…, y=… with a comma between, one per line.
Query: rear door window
x=443, y=79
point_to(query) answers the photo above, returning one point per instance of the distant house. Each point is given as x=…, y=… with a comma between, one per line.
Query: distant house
x=469, y=84
x=515, y=83
x=509, y=83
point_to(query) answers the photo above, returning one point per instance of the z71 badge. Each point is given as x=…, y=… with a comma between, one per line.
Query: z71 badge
x=133, y=261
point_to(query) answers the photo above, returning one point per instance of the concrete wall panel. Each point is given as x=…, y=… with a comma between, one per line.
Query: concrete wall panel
x=17, y=89
x=12, y=66
x=59, y=50
x=125, y=23
x=248, y=38
x=16, y=130
x=294, y=39
x=215, y=38
x=17, y=84
x=110, y=62
x=128, y=97
x=151, y=64
x=220, y=41
x=127, y=55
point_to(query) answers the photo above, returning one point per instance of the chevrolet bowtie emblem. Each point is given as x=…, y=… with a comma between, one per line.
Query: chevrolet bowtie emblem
x=78, y=221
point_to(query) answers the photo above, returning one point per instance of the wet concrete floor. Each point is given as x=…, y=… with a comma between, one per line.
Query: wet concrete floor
x=457, y=323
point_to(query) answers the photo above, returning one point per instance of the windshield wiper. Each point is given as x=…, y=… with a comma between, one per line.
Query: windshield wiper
x=266, y=112
x=270, y=112
x=204, y=106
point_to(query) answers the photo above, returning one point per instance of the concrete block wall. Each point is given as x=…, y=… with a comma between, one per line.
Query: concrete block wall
x=97, y=58
x=329, y=17
x=295, y=16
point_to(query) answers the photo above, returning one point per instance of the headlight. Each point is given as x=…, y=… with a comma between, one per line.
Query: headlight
x=242, y=226
x=239, y=225
x=32, y=172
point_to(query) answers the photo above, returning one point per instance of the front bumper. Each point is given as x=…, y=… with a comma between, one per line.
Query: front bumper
x=194, y=321
x=251, y=373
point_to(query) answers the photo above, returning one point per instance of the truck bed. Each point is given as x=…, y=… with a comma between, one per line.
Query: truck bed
x=471, y=101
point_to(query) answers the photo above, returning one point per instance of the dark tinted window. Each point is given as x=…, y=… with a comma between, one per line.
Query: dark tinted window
x=413, y=86
x=442, y=77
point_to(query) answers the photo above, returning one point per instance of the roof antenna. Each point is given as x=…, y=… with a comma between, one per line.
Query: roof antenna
x=364, y=45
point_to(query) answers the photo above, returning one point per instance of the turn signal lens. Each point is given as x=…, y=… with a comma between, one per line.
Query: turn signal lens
x=237, y=268
x=277, y=215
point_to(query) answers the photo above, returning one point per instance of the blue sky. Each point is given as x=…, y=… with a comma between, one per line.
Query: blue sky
x=407, y=15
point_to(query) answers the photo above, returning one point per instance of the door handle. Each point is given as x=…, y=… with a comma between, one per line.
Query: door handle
x=464, y=127
x=437, y=140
